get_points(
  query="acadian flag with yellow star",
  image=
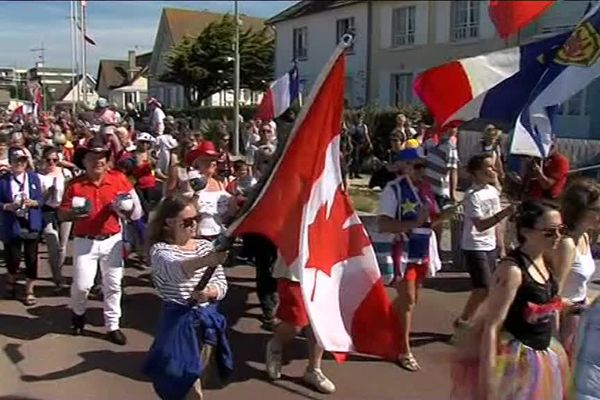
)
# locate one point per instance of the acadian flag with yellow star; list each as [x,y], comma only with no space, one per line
[419,246]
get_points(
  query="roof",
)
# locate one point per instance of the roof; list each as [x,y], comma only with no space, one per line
[63,90]
[183,22]
[306,7]
[115,72]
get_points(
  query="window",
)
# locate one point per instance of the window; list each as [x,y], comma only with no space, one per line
[342,27]
[465,19]
[576,106]
[403,26]
[401,85]
[301,43]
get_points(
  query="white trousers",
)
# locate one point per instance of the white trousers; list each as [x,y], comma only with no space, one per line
[87,254]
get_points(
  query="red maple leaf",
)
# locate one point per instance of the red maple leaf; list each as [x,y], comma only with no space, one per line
[329,242]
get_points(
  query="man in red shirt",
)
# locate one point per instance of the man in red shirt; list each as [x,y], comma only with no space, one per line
[95,202]
[548,181]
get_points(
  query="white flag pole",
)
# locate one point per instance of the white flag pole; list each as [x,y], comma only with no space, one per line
[74,94]
[83,53]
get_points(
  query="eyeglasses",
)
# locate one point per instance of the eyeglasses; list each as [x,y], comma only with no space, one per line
[553,232]
[51,160]
[189,222]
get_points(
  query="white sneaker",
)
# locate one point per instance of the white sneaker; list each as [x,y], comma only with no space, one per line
[317,379]
[273,359]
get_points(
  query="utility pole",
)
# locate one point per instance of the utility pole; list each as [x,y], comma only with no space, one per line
[73,37]
[236,82]
[82,6]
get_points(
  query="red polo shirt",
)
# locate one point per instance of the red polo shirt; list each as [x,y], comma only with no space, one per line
[102,219]
[556,167]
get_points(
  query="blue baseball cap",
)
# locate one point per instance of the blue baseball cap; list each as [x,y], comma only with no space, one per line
[406,155]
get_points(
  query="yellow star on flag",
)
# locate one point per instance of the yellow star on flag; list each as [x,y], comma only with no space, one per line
[409,207]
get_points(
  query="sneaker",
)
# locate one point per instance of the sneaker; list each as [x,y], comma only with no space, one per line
[317,379]
[273,359]
[460,327]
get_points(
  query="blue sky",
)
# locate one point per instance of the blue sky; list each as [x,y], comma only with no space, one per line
[117,26]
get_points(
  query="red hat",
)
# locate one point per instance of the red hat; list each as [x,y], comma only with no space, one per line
[205,148]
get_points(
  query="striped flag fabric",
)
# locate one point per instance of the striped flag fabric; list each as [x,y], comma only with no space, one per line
[279,96]
[494,86]
[509,17]
[301,206]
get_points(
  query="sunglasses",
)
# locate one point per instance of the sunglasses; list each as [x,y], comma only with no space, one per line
[189,222]
[554,232]
[51,160]
[20,160]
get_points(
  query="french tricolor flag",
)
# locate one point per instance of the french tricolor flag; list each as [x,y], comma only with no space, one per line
[493,86]
[279,96]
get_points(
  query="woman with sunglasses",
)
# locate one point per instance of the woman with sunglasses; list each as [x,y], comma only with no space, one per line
[509,353]
[572,261]
[214,203]
[21,200]
[407,212]
[56,234]
[188,275]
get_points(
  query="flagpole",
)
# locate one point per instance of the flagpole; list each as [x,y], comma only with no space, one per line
[236,82]
[345,42]
[73,55]
[83,53]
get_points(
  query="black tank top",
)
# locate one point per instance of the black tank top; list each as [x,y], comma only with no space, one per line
[526,320]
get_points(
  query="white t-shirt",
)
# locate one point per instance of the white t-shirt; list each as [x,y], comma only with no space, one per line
[59,181]
[165,144]
[480,202]
[213,207]
[157,121]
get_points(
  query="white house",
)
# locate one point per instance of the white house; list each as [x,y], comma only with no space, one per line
[124,81]
[308,31]
[74,92]
[174,25]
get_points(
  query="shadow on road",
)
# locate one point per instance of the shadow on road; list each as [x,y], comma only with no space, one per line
[125,364]
[448,284]
[418,339]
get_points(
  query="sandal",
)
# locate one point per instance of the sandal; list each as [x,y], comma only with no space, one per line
[29,299]
[409,362]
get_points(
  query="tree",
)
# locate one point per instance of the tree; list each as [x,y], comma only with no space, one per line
[204,65]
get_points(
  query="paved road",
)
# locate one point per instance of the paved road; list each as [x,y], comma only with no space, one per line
[40,360]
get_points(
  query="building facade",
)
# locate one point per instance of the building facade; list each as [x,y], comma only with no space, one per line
[308,32]
[396,40]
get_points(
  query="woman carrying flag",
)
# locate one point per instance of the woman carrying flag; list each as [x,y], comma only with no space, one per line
[407,210]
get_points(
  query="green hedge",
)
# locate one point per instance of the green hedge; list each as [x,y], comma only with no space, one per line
[381,121]
[212,113]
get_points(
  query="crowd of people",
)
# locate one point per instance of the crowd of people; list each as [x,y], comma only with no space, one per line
[117,184]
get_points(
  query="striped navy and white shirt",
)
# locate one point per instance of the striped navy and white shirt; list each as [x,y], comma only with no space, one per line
[171,281]
[441,159]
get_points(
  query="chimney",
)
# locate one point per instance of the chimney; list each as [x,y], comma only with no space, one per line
[132,70]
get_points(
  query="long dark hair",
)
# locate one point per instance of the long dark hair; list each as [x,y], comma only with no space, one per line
[529,213]
[577,199]
[169,207]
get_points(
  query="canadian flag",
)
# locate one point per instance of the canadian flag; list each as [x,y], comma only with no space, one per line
[304,211]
